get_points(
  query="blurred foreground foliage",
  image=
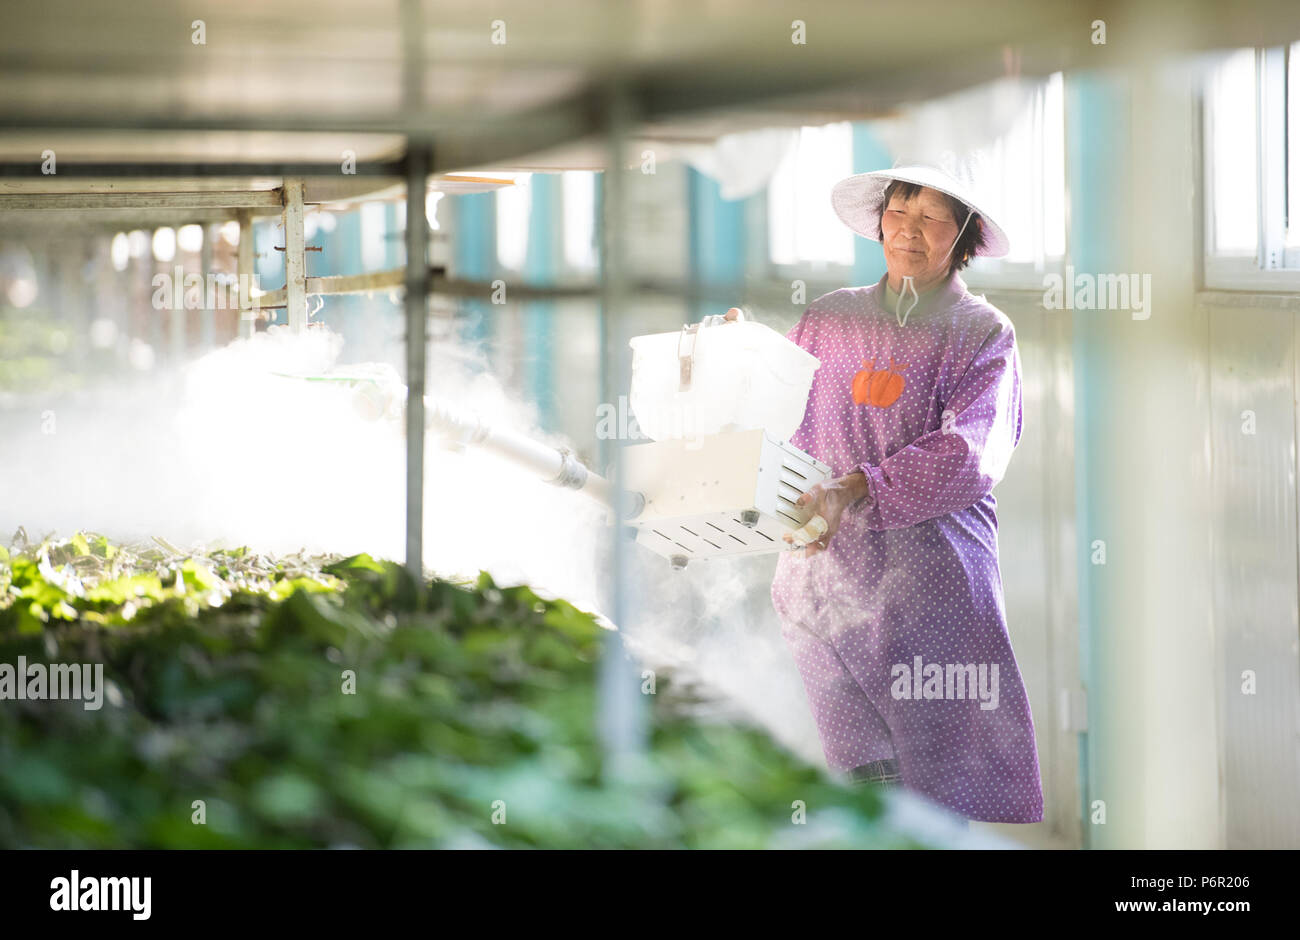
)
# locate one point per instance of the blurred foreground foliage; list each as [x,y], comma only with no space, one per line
[34,352]
[224,676]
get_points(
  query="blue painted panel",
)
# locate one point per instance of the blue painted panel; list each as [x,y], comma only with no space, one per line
[541,268]
[1096,113]
[474,249]
[869,153]
[717,237]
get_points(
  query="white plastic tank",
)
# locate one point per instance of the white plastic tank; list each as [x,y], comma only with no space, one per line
[719,375]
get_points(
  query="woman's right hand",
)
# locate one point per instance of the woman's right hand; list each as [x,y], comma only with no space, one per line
[733,313]
[829,499]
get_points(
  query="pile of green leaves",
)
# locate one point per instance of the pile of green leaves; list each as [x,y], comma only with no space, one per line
[470,721]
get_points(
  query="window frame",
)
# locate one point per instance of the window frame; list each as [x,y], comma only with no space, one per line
[1272,267]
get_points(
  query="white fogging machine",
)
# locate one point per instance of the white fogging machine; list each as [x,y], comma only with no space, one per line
[719,400]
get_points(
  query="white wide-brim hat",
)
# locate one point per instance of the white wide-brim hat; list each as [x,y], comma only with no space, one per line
[857,201]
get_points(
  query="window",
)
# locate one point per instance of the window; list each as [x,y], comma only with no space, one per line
[1018,176]
[802,227]
[1251,138]
[1021,175]
[514,209]
[1293,153]
[374,236]
[579,201]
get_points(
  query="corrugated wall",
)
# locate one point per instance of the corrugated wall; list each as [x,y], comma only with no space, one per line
[1036,548]
[1253,415]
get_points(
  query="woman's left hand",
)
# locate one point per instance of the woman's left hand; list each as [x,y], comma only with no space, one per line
[829,499]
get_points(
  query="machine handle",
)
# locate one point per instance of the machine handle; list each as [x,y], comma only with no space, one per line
[716,318]
[686,358]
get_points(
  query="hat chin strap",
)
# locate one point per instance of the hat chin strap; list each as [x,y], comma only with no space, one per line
[962,231]
[909,282]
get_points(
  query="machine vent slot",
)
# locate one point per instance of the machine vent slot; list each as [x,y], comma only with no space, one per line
[696,534]
[786,466]
[718,527]
[797,523]
[747,529]
[680,545]
[661,535]
[714,544]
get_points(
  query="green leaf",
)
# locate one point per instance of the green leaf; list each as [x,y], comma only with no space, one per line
[198,576]
[351,564]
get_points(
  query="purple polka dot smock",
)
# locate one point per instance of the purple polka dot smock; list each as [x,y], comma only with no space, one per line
[898,628]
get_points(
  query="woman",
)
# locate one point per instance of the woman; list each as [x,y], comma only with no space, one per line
[895,615]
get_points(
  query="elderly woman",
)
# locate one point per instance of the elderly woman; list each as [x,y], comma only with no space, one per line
[895,615]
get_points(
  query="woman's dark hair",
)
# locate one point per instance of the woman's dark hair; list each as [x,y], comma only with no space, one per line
[971,239]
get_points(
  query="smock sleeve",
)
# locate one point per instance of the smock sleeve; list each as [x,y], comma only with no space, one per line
[955,466]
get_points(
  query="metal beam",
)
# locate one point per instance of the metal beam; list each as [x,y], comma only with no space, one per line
[257,199]
[728,293]
[478,139]
[271,300]
[35,224]
[127,169]
[333,285]
[295,255]
[357,283]
[533,130]
[722,293]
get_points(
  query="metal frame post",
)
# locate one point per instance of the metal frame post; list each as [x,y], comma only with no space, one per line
[247,274]
[177,327]
[418,160]
[208,325]
[295,265]
[622,713]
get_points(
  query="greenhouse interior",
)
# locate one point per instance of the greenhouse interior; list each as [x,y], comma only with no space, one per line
[436,426]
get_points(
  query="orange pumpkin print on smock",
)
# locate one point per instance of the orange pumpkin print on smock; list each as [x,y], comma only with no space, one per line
[879,387]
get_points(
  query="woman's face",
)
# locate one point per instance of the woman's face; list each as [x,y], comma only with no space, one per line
[917,236]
